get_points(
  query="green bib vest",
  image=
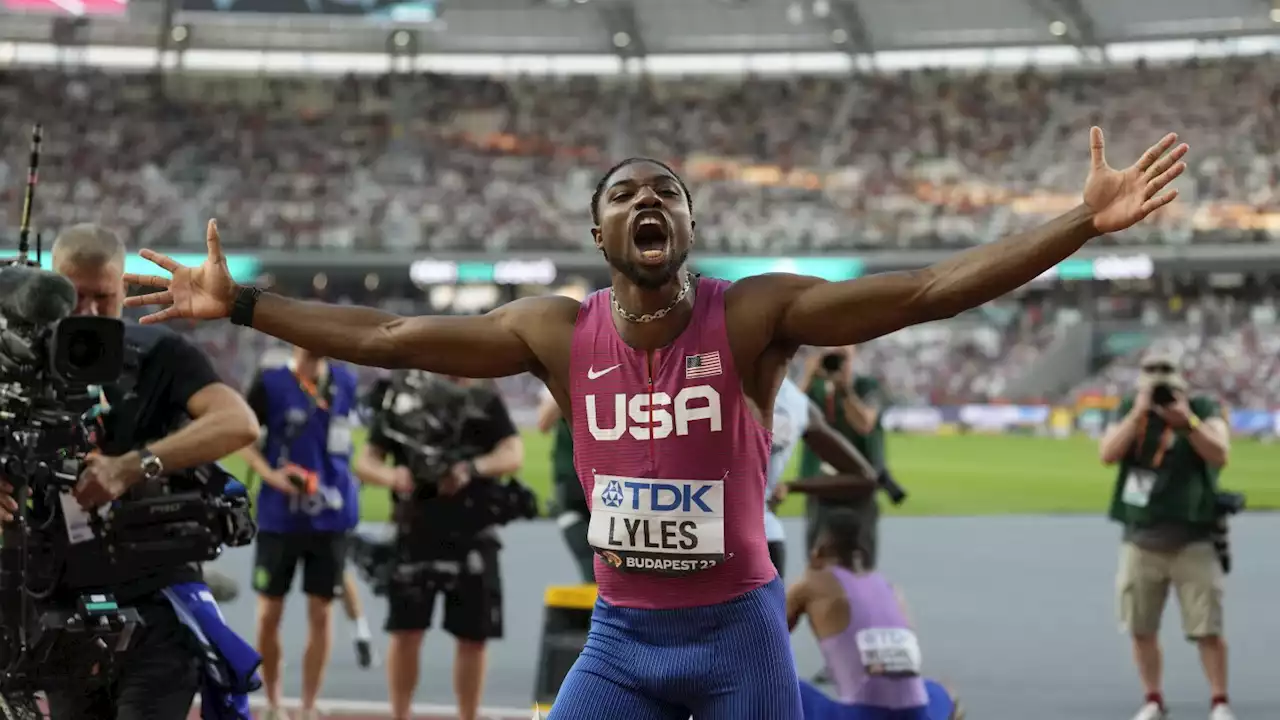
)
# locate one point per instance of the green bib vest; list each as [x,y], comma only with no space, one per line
[1162,480]
[870,445]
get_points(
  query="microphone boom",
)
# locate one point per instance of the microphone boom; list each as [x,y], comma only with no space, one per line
[29,197]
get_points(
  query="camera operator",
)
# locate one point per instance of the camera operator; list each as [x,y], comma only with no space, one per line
[307,505]
[1170,446]
[852,404]
[572,514]
[431,559]
[147,434]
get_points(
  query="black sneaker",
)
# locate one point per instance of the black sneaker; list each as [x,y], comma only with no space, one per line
[364,654]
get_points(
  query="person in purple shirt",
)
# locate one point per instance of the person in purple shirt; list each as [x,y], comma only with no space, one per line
[867,641]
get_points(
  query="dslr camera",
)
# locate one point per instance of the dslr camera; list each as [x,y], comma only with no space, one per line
[1226,505]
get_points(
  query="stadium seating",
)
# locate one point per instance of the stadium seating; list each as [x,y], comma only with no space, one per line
[924,159]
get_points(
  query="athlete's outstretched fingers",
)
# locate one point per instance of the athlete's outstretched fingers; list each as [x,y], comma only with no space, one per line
[159,298]
[169,313]
[160,259]
[146,280]
[213,240]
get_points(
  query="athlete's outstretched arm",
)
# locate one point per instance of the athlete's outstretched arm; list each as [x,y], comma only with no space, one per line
[477,346]
[809,311]
[491,345]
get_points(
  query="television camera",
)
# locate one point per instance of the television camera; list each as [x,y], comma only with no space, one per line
[425,416]
[55,628]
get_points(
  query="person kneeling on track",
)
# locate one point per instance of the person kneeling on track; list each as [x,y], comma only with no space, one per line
[860,620]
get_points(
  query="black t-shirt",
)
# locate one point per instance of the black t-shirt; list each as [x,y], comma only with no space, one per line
[170,370]
[481,432]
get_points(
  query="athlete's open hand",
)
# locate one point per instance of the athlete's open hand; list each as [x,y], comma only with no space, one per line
[1121,198]
[202,293]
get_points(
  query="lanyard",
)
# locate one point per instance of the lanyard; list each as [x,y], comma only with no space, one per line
[1165,436]
[312,391]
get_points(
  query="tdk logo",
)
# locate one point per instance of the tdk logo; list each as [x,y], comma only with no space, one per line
[662,497]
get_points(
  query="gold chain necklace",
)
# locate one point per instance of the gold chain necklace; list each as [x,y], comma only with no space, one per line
[649,317]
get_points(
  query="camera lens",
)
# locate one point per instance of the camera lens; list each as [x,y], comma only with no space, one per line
[84,349]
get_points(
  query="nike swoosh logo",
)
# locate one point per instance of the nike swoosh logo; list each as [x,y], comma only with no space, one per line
[592,374]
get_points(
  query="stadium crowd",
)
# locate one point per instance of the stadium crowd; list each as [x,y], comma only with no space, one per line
[777,165]
[818,164]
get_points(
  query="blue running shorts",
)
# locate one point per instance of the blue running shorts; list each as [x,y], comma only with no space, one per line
[817,706]
[730,661]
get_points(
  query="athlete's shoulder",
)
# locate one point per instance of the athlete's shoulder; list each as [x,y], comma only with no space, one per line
[778,281]
[756,304]
[539,309]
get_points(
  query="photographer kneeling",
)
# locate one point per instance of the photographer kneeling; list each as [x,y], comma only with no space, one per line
[1170,448]
[146,435]
[436,548]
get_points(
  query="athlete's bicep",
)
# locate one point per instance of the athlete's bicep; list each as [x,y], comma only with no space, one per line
[482,346]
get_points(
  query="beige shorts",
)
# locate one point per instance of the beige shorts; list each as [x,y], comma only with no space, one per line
[1143,582]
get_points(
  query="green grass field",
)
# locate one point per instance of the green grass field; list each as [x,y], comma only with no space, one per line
[966,475]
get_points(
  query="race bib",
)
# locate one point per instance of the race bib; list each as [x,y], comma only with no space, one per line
[668,527]
[889,652]
[1138,485]
[339,441]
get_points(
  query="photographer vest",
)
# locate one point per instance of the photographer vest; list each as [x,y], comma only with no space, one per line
[310,426]
[1162,480]
[870,445]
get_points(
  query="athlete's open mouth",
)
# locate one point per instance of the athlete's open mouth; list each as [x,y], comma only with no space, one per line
[650,233]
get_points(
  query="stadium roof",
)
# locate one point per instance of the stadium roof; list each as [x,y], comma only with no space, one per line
[638,27]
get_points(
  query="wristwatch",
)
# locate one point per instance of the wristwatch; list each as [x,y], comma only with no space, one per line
[245,302]
[1193,423]
[151,465]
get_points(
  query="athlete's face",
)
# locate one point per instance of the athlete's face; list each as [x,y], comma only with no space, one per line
[646,228]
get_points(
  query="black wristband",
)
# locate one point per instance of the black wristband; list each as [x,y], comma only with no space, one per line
[245,302]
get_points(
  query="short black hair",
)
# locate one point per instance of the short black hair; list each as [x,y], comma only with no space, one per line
[840,532]
[595,197]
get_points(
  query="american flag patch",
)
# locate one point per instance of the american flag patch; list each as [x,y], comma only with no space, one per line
[701,365]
